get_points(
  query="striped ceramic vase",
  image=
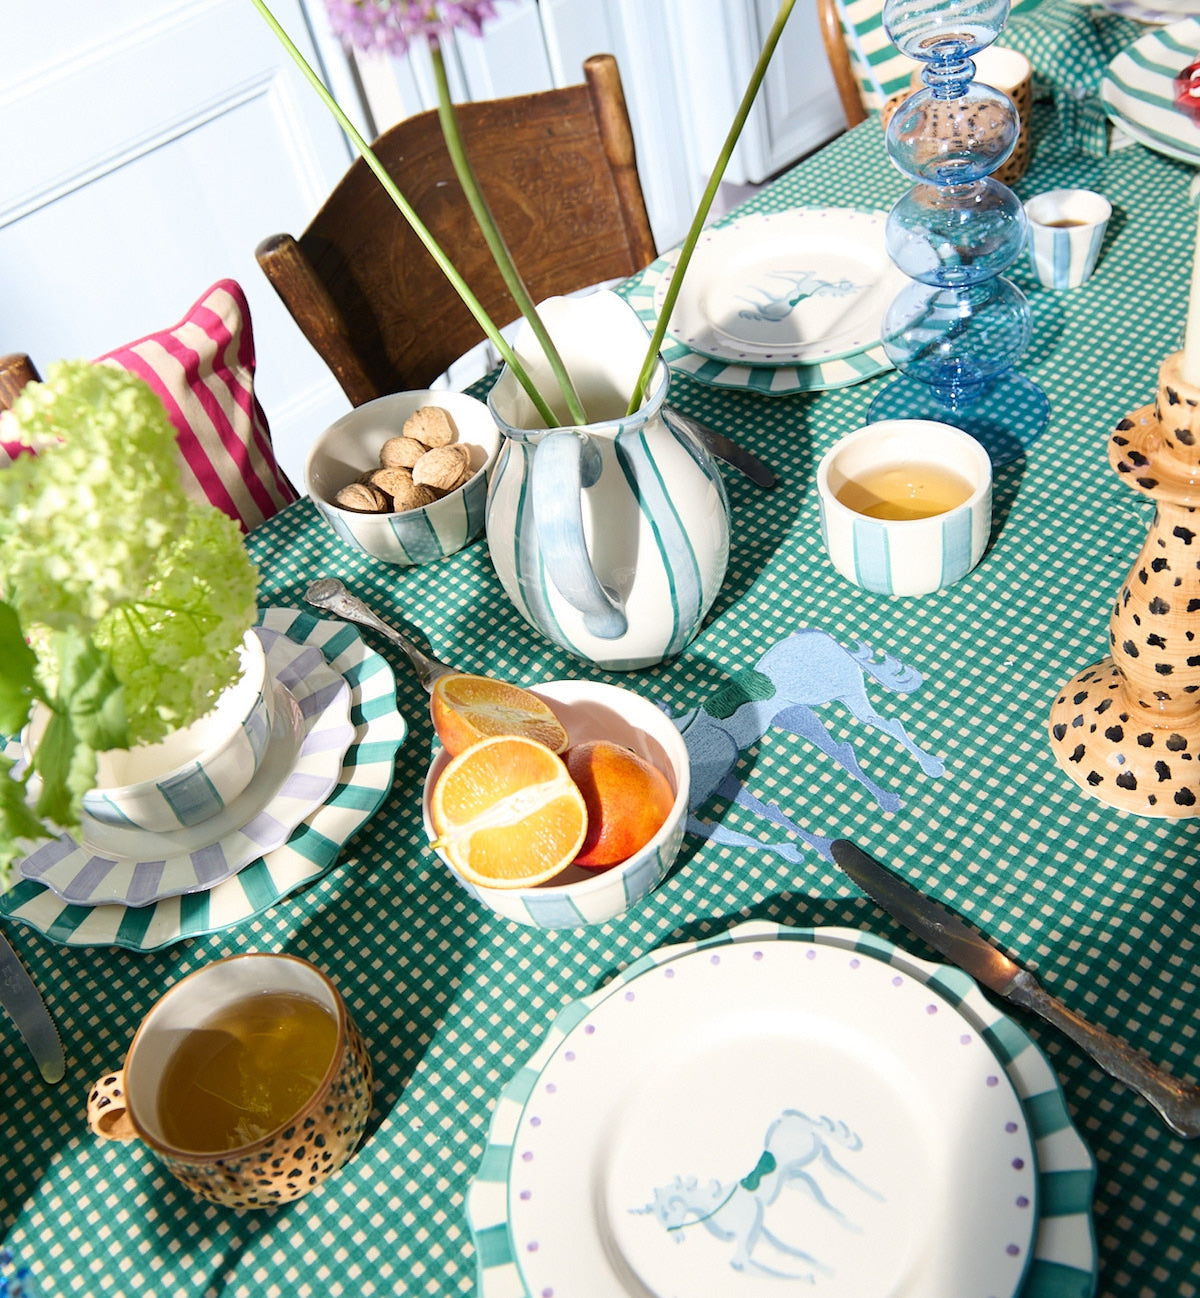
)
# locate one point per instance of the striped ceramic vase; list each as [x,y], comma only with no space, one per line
[611,539]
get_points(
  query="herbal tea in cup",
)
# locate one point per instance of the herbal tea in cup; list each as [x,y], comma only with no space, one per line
[913,489]
[905,505]
[247,1079]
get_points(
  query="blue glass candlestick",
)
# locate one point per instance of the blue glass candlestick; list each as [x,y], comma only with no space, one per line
[956,332]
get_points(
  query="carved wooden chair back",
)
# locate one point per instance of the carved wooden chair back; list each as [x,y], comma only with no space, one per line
[559,173]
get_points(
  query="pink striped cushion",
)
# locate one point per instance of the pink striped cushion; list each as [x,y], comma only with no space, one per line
[203,370]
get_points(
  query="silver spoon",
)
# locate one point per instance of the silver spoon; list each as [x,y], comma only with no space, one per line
[331,594]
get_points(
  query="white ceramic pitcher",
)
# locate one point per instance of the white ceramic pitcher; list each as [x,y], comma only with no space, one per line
[611,539]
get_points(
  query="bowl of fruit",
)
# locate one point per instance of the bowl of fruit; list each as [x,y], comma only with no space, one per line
[558,806]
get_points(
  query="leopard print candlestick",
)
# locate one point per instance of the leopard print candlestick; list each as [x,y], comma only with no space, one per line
[1127,730]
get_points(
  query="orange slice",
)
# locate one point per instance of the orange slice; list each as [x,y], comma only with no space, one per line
[507,814]
[466,709]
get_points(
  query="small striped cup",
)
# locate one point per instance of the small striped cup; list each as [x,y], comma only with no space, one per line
[1066,230]
[908,556]
[196,772]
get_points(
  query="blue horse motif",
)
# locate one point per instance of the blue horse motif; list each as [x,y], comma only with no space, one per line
[783,689]
[778,305]
[795,1149]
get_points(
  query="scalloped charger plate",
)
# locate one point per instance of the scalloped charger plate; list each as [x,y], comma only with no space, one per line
[310,850]
[773,1105]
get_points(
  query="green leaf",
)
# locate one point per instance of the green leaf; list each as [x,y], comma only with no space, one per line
[16,818]
[89,692]
[67,766]
[18,681]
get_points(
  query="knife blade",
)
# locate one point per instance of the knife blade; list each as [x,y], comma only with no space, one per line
[724,448]
[21,998]
[1177,1102]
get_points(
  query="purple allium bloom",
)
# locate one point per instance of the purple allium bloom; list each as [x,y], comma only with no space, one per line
[390,25]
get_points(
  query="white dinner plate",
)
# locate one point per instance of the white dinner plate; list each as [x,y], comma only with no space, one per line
[680,1125]
[311,849]
[1138,90]
[133,867]
[1157,12]
[771,381]
[786,288]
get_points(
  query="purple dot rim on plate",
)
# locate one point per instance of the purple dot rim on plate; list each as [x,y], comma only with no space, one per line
[855,962]
[758,955]
[931,1009]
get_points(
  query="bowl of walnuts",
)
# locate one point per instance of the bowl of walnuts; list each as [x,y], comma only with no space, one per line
[404,478]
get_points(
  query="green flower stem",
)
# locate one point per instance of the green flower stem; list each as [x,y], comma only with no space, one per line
[460,285]
[494,239]
[706,201]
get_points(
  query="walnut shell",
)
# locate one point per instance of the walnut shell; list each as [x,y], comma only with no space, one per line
[431,425]
[362,498]
[442,467]
[401,452]
[454,486]
[412,496]
[391,481]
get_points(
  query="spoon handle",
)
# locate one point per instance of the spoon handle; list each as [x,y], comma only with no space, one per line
[331,594]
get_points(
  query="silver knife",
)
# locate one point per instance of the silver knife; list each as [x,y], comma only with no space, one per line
[28,1011]
[724,448]
[1178,1103]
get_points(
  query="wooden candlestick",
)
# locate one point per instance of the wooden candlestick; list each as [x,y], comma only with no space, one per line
[1127,729]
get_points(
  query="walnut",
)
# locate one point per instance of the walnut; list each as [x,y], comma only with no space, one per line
[391,481]
[432,426]
[443,467]
[412,496]
[362,498]
[401,452]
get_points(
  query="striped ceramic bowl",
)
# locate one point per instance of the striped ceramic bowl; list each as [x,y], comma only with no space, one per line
[350,447]
[577,897]
[197,771]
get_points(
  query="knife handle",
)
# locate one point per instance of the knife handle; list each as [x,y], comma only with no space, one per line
[1178,1103]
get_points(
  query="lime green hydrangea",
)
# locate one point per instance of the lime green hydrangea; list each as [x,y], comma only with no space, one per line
[122,602]
[174,648]
[82,521]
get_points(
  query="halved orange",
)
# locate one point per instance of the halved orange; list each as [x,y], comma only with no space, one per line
[466,709]
[507,814]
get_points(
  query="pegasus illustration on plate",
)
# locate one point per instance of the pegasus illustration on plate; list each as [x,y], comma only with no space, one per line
[798,1153]
[775,304]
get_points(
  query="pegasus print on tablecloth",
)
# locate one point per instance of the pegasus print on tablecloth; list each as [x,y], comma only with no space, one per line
[781,692]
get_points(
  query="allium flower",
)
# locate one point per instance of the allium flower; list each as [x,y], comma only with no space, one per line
[389,26]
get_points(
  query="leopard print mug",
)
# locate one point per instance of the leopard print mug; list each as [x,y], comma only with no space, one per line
[285,1163]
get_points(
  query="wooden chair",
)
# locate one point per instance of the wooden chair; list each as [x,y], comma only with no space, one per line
[559,173]
[838,54]
[867,67]
[15,371]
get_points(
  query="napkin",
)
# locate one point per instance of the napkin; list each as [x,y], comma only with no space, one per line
[1069,46]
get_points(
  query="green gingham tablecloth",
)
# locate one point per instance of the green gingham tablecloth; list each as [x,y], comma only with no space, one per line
[453,1001]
